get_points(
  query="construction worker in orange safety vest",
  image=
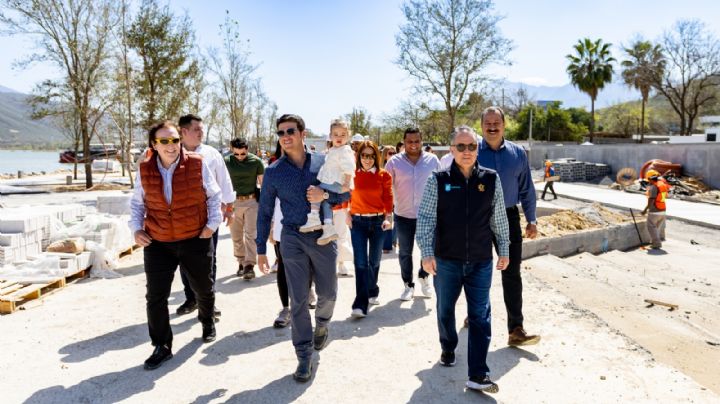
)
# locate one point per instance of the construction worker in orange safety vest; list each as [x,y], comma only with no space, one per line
[657,193]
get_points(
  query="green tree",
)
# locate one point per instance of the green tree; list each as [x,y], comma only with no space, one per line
[359,121]
[590,69]
[622,119]
[447,46]
[164,44]
[549,124]
[644,61]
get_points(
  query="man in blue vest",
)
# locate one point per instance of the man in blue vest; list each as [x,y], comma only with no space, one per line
[461,212]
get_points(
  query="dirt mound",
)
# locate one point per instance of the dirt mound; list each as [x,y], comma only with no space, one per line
[572,221]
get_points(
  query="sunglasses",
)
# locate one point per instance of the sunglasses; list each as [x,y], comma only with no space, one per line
[288,132]
[367,156]
[391,153]
[239,154]
[461,147]
[167,140]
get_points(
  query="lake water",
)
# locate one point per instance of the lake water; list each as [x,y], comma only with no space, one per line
[30,161]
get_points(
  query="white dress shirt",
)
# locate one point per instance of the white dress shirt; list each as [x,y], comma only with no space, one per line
[216,163]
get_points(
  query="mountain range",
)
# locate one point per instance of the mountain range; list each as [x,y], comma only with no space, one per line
[613,93]
[19,130]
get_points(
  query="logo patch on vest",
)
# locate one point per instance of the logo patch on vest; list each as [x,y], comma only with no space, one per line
[449,187]
[481,187]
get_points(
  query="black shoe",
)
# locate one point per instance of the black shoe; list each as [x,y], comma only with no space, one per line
[320,338]
[447,358]
[249,272]
[482,383]
[187,307]
[159,355]
[209,334]
[240,272]
[303,373]
[216,312]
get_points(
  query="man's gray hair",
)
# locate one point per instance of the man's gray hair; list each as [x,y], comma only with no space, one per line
[462,128]
[492,110]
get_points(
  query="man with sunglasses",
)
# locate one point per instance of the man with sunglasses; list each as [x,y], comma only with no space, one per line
[461,213]
[410,170]
[246,173]
[511,164]
[192,133]
[293,180]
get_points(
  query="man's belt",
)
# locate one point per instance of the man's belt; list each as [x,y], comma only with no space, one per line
[369,214]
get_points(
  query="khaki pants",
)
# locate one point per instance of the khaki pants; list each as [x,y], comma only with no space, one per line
[243,231]
[345,252]
[656,228]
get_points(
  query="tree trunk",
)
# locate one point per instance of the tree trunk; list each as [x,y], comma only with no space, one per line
[592,119]
[642,121]
[86,152]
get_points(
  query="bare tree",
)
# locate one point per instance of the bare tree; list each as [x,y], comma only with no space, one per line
[74,35]
[232,67]
[691,75]
[447,45]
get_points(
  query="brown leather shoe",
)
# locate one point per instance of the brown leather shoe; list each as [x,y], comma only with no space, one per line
[519,337]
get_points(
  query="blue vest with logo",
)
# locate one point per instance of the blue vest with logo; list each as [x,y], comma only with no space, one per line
[464,208]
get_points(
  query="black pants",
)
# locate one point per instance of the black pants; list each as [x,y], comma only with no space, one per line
[549,185]
[195,258]
[281,280]
[189,294]
[511,279]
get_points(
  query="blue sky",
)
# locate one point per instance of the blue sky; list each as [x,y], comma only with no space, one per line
[322,58]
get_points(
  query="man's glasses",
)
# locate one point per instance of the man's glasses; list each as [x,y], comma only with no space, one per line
[288,132]
[167,140]
[391,153]
[461,147]
[367,156]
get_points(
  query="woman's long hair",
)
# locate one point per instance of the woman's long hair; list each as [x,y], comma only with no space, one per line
[361,147]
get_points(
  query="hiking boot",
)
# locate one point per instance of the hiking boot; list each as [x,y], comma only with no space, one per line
[320,338]
[425,287]
[283,318]
[329,234]
[186,308]
[208,334]
[447,358]
[482,383]
[313,223]
[519,337]
[303,372]
[159,355]
[408,293]
[249,272]
[241,271]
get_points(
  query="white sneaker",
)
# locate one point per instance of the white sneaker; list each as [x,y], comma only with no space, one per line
[342,269]
[329,234]
[274,268]
[373,301]
[313,223]
[407,294]
[426,288]
[312,299]
[357,313]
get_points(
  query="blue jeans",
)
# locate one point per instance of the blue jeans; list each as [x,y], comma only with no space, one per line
[476,278]
[366,232]
[406,241]
[325,207]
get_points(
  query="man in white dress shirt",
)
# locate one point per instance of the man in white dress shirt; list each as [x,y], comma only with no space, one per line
[192,132]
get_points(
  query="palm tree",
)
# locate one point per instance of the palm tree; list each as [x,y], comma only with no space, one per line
[589,69]
[645,61]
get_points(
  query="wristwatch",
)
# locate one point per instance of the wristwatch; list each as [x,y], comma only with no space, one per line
[326,195]
[532,222]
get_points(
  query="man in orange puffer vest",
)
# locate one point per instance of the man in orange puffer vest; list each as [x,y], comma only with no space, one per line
[657,192]
[174,211]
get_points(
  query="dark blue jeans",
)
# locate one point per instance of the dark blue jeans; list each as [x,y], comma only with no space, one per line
[367,238]
[189,294]
[406,241]
[451,278]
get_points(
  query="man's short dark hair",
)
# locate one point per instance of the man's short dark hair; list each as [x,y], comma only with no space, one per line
[238,143]
[291,118]
[411,130]
[495,110]
[186,120]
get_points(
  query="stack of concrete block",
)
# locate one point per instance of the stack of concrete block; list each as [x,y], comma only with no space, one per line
[71,264]
[571,170]
[106,165]
[114,204]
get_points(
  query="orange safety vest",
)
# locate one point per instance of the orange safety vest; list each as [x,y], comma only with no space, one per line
[663,189]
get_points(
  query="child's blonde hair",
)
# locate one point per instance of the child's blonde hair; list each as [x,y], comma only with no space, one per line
[339,123]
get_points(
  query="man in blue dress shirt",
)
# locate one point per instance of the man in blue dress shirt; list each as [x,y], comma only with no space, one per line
[511,163]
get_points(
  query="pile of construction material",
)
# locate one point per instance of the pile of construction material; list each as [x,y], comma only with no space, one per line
[584,218]
[571,170]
